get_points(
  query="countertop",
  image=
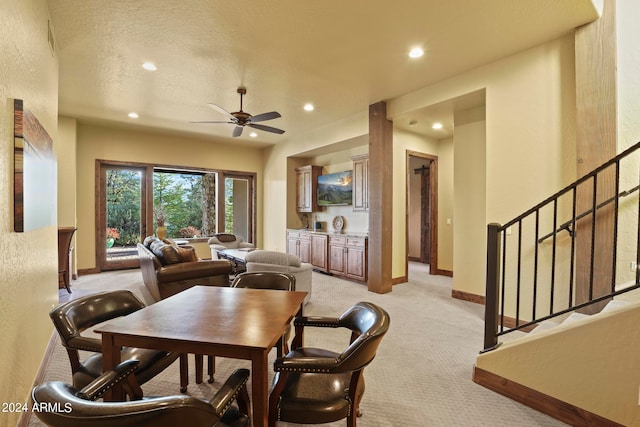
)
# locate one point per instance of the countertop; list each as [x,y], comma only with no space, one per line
[332,233]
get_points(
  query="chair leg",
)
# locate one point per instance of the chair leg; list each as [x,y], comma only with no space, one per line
[243,400]
[351,420]
[199,363]
[282,347]
[184,372]
[211,368]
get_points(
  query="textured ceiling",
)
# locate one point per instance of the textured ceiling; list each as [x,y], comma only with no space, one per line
[340,55]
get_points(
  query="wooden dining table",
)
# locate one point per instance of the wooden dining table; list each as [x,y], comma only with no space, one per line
[237,323]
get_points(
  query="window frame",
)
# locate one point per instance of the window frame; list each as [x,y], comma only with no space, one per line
[147,208]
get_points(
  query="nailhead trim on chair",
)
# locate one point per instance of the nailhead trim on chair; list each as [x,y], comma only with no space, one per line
[279,417]
[320,325]
[113,382]
[325,371]
[221,414]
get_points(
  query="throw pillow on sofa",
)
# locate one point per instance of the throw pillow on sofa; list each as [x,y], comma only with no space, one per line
[187,254]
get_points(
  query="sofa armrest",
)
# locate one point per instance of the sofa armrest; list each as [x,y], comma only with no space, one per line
[193,270]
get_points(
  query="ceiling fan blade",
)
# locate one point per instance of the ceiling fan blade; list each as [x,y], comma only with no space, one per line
[237,131]
[208,121]
[266,128]
[221,110]
[265,116]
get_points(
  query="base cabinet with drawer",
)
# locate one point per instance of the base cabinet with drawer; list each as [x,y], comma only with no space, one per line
[348,257]
[299,244]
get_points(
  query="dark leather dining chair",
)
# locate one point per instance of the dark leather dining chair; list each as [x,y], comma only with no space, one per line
[315,386]
[76,316]
[80,408]
[269,280]
[265,280]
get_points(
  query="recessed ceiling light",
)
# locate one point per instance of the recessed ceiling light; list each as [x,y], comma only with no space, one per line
[253,134]
[133,115]
[437,125]
[149,66]
[416,52]
[308,107]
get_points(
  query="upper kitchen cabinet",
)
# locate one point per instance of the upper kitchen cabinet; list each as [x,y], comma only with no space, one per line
[307,188]
[361,182]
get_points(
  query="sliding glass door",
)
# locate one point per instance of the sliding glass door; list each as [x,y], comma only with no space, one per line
[238,206]
[135,200]
[122,216]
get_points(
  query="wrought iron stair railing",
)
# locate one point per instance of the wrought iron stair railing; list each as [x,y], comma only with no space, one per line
[535,272]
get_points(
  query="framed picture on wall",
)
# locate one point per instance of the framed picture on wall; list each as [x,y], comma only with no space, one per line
[35,174]
[335,189]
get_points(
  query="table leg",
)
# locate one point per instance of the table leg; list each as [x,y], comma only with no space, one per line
[260,388]
[111,359]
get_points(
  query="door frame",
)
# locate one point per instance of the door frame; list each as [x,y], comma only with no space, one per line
[433,202]
[251,178]
[101,208]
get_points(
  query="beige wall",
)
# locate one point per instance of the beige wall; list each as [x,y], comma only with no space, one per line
[29,266]
[469,201]
[628,130]
[530,148]
[446,218]
[97,142]
[530,141]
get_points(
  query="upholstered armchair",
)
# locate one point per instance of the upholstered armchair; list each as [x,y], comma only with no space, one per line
[223,241]
[316,386]
[73,318]
[261,260]
[81,407]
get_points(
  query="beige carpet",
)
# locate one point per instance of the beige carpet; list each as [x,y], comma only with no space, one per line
[421,375]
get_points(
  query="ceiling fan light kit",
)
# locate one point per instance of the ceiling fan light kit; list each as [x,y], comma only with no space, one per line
[241,118]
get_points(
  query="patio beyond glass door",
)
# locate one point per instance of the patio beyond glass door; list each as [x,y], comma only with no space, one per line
[122,216]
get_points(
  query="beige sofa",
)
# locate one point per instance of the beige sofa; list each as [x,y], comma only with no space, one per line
[168,268]
[261,260]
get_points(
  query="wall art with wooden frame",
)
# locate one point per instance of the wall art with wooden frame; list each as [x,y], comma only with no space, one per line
[35,174]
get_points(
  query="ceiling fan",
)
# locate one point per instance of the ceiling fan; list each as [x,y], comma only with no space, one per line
[242,118]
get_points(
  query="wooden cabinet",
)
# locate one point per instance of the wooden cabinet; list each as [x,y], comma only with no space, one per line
[360,182]
[307,188]
[348,257]
[319,251]
[344,256]
[299,244]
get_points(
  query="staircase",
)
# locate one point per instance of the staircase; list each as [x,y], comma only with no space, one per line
[574,317]
[544,263]
[564,272]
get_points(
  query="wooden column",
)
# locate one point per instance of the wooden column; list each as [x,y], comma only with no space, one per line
[380,198]
[595,68]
